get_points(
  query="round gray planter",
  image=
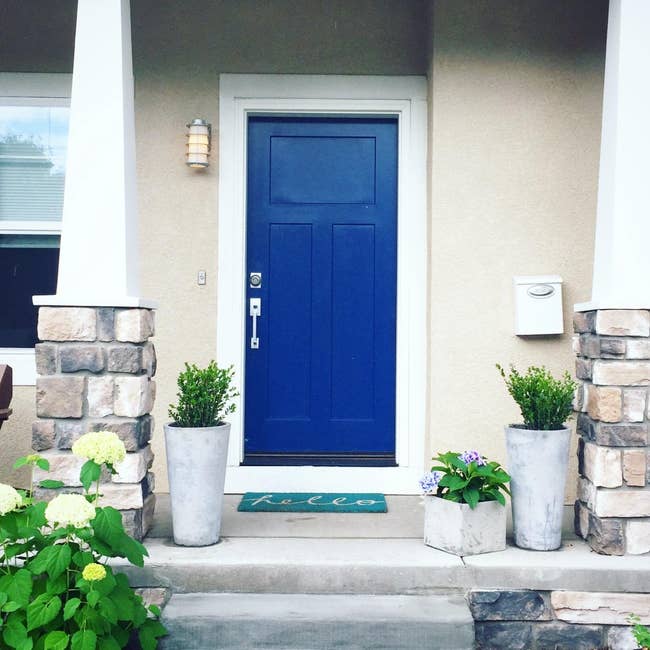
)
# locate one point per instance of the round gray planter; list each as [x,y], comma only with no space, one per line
[537,464]
[196,466]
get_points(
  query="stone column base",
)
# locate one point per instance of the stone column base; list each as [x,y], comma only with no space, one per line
[95,368]
[613,367]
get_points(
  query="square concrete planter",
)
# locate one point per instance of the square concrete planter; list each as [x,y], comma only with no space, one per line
[456,528]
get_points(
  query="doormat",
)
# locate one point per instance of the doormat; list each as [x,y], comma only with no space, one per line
[312,502]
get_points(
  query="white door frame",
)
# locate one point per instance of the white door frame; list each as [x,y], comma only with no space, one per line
[406,99]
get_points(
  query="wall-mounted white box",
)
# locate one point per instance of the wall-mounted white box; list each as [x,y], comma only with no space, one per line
[538,305]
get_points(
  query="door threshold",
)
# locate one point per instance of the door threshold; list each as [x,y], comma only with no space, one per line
[310,478]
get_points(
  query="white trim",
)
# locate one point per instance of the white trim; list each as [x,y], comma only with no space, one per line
[406,98]
[30,89]
[83,300]
[30,227]
[25,85]
[23,365]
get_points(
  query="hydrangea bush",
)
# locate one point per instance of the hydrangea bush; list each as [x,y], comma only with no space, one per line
[466,477]
[56,589]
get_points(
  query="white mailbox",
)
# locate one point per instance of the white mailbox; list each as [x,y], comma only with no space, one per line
[538,305]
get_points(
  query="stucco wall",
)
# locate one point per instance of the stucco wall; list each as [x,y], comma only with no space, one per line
[516,90]
[15,435]
[516,95]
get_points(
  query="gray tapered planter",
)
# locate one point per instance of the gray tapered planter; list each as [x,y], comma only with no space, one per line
[196,466]
[537,464]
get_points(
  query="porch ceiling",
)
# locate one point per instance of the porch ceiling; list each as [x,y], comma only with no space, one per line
[289,36]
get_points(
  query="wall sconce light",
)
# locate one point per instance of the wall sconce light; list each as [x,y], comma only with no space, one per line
[198,143]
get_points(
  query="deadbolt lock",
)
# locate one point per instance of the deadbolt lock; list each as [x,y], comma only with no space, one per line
[255,280]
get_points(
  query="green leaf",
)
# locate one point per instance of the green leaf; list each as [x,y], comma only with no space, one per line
[120,635]
[90,472]
[122,599]
[471,497]
[132,550]
[52,559]
[20,586]
[56,641]
[14,633]
[453,482]
[155,610]
[25,644]
[42,611]
[43,463]
[84,640]
[108,526]
[93,598]
[51,484]
[81,558]
[70,608]
[149,633]
[57,585]
[11,606]
[20,462]
[11,550]
[108,643]
[108,610]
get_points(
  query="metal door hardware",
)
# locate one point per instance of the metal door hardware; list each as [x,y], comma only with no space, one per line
[255,311]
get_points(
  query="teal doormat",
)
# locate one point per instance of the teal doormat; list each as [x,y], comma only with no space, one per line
[312,502]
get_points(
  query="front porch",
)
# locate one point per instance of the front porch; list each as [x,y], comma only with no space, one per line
[571,598]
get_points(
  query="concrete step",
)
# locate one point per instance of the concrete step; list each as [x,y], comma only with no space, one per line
[203,621]
[377,566]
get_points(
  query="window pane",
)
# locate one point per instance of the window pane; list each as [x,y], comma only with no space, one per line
[28,267]
[32,162]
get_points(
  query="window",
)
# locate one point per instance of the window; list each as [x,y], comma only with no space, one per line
[34,117]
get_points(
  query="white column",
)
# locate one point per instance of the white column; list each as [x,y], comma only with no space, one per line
[99,244]
[621,277]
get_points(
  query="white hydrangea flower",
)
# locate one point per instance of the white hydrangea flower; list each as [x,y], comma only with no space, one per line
[100,447]
[9,499]
[69,510]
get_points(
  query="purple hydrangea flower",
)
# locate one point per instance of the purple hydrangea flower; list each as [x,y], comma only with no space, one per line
[429,482]
[472,456]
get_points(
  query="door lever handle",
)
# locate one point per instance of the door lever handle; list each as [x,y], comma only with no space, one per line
[255,311]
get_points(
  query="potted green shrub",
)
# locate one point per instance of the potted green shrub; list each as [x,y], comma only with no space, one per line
[538,455]
[197,451]
[465,504]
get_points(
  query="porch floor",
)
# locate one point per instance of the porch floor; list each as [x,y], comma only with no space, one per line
[365,554]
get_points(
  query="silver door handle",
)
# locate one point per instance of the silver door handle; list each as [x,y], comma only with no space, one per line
[255,311]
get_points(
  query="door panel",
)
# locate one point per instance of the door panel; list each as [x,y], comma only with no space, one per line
[322,205]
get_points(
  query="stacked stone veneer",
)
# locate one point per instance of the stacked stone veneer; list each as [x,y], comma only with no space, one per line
[544,620]
[95,368]
[613,367]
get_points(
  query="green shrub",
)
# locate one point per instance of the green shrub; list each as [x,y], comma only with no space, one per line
[545,402]
[641,632]
[205,396]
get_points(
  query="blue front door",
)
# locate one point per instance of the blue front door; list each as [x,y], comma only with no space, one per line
[322,232]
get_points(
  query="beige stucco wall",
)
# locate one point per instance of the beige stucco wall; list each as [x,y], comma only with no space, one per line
[514,137]
[15,435]
[178,206]
[514,150]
